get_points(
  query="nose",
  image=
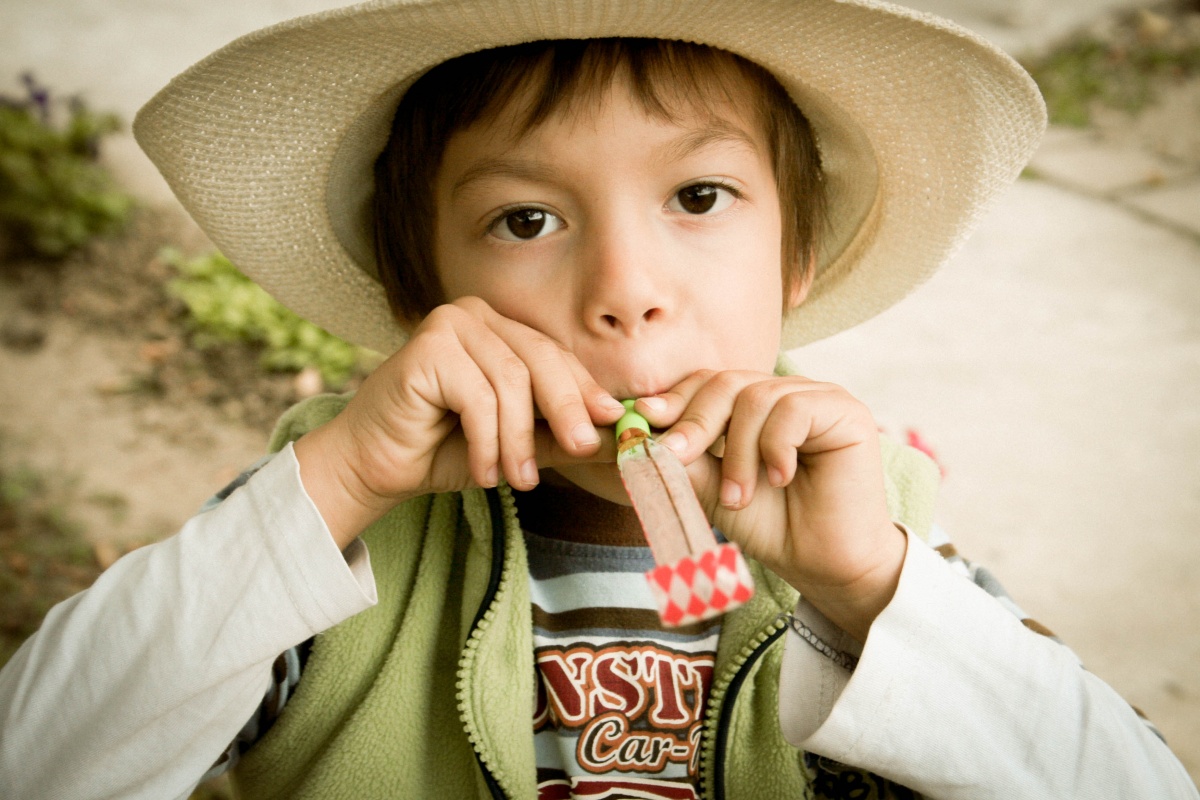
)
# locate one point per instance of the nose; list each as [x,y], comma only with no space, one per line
[626,292]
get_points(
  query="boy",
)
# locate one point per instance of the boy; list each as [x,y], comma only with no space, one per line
[558,226]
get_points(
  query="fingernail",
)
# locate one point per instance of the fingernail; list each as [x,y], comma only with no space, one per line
[612,404]
[654,403]
[731,493]
[584,435]
[492,477]
[775,477]
[529,472]
[674,441]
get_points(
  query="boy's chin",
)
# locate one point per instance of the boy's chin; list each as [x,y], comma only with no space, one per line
[602,480]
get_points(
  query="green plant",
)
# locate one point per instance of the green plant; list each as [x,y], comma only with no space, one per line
[226,306]
[1120,73]
[54,196]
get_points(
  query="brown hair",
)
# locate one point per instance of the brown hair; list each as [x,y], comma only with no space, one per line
[664,75]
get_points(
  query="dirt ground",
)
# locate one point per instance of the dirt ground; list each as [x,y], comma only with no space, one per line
[113,430]
[102,389]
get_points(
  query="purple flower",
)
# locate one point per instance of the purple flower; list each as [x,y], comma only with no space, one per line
[38,96]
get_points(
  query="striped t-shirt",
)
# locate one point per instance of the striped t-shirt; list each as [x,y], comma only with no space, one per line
[620,699]
[598,642]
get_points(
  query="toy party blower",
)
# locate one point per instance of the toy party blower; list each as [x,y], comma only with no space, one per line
[696,577]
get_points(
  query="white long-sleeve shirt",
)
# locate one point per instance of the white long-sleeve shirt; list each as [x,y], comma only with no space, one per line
[133,688]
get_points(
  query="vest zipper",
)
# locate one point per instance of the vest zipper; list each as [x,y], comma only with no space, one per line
[498,582]
[721,700]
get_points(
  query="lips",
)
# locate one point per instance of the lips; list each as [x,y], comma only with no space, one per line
[638,389]
[630,380]
[628,386]
[643,371]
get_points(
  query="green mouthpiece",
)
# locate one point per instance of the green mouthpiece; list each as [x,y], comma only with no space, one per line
[632,419]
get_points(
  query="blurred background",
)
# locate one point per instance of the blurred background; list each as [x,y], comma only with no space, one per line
[1052,368]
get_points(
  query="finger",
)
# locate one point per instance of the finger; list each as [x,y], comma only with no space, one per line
[707,413]
[548,453]
[445,471]
[551,453]
[785,432]
[512,410]
[742,458]
[565,394]
[839,420]
[750,447]
[506,405]
[601,405]
[467,392]
[817,419]
[446,476]
[663,410]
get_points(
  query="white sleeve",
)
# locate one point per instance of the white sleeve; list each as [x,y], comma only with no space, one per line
[953,697]
[133,687]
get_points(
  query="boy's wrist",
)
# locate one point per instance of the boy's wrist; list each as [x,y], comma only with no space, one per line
[345,503]
[854,607]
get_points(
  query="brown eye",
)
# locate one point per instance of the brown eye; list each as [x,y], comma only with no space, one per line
[698,199]
[702,198]
[525,224]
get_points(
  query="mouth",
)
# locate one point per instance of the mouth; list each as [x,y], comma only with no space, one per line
[644,387]
[631,375]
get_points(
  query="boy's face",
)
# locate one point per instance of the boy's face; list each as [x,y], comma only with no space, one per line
[649,249]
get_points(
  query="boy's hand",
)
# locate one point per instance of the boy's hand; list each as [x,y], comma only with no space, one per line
[455,407]
[799,487]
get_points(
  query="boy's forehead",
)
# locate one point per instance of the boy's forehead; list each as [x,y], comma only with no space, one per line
[691,121]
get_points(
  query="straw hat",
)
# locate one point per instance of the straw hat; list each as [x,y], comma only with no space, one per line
[270,141]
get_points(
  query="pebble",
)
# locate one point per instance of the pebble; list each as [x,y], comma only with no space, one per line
[23,332]
[308,382]
[1151,26]
[158,351]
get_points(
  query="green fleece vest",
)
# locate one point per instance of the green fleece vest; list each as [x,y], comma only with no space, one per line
[430,692]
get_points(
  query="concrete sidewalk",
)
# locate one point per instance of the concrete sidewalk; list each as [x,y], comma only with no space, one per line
[1054,364]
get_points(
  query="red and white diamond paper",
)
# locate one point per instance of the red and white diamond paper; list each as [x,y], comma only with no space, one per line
[698,587]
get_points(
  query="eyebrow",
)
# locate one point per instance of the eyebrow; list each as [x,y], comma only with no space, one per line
[515,168]
[716,132]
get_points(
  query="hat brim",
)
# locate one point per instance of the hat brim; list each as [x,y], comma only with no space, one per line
[270,142]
